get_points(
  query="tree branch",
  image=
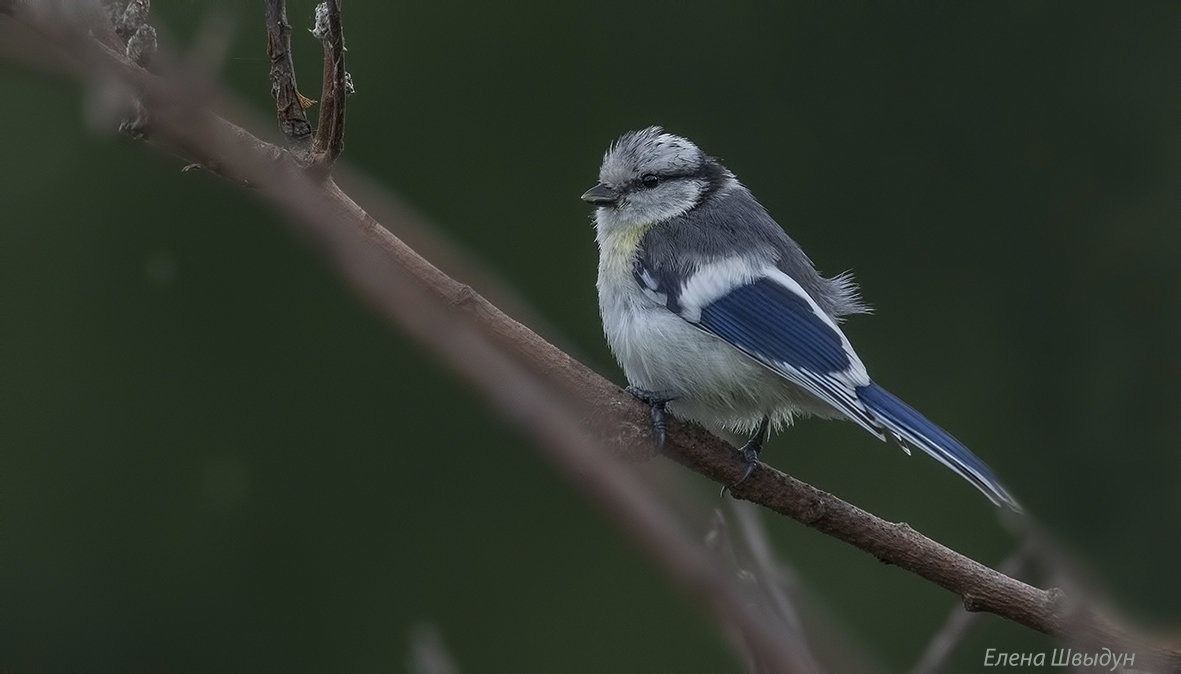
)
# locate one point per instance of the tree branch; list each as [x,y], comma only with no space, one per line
[337,85]
[487,347]
[959,623]
[289,104]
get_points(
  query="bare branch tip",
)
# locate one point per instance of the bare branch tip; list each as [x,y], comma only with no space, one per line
[141,46]
[320,29]
[337,85]
[1057,601]
[132,18]
[289,103]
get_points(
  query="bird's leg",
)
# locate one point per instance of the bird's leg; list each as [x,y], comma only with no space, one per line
[656,400]
[750,451]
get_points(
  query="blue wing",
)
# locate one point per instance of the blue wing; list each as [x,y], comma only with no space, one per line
[768,316]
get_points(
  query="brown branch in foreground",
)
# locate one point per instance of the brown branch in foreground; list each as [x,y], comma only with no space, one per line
[376,261]
[347,234]
[289,104]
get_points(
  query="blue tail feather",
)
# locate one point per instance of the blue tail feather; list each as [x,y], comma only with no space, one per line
[913,429]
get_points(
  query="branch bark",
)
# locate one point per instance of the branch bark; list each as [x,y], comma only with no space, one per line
[289,104]
[959,623]
[487,347]
[336,88]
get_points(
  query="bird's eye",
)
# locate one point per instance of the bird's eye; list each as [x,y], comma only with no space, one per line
[650,181]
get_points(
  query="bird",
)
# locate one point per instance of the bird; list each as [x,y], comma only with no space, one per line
[718,317]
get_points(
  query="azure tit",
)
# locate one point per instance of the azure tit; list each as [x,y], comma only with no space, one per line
[718,316]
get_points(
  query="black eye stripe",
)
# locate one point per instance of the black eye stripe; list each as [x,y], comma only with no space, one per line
[665,177]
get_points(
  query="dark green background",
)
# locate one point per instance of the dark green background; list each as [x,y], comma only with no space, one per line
[213,457]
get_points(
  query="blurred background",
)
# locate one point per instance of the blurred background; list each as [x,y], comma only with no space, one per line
[212,456]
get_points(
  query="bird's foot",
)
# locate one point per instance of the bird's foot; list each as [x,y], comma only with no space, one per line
[655,400]
[750,452]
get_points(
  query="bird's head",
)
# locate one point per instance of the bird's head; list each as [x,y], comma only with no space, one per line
[649,176]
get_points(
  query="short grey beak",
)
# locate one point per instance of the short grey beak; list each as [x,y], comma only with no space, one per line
[600,195]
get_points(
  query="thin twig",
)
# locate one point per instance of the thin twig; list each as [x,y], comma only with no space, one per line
[816,631]
[384,270]
[773,582]
[289,104]
[336,88]
[721,544]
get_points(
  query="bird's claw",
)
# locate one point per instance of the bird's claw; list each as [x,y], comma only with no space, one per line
[656,401]
[750,452]
[752,461]
[658,426]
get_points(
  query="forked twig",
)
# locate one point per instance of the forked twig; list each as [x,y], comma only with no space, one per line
[289,103]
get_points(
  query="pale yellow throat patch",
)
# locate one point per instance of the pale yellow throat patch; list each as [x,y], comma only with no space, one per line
[617,250]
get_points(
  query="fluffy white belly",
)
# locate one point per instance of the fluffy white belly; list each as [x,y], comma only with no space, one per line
[717,385]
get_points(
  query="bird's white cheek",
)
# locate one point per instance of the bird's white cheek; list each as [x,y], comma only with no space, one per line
[662,203]
[647,207]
